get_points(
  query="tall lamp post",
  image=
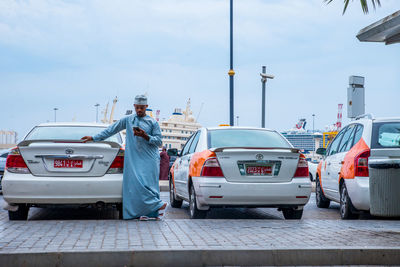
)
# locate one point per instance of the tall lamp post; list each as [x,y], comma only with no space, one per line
[231,72]
[97,112]
[55,114]
[264,77]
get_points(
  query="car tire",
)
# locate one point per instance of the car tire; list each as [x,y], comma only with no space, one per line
[195,213]
[20,215]
[172,198]
[292,214]
[320,199]
[120,211]
[347,210]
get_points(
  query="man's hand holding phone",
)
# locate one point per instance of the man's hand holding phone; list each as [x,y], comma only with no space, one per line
[139,132]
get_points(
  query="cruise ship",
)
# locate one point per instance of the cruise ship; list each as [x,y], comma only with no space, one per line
[305,140]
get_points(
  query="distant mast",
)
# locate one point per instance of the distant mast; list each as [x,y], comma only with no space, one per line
[105,111]
[113,110]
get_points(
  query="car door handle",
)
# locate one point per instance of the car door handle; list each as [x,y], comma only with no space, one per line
[328,163]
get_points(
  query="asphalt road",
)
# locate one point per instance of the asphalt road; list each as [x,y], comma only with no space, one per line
[311,212]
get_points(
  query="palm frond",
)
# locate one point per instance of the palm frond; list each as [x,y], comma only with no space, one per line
[364,4]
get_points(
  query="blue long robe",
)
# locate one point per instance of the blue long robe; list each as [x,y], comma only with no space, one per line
[140,187]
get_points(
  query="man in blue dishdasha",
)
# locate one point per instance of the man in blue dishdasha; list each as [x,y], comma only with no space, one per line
[140,188]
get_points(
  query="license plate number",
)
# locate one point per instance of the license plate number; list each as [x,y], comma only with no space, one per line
[259,170]
[67,163]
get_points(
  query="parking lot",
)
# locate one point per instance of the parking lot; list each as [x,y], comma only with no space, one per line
[311,213]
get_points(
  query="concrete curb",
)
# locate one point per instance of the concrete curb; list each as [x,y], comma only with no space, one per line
[257,257]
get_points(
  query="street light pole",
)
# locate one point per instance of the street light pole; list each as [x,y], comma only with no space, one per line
[55,114]
[264,77]
[97,112]
[231,72]
[313,118]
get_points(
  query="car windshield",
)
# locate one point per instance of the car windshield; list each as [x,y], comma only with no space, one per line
[245,138]
[386,135]
[67,133]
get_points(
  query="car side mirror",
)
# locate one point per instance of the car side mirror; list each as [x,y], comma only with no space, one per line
[321,151]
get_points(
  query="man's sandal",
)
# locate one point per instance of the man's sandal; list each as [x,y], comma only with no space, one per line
[162,211]
[145,218]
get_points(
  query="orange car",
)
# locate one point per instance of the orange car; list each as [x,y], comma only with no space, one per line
[344,173]
[240,167]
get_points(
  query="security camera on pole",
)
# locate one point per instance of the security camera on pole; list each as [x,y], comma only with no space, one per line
[264,78]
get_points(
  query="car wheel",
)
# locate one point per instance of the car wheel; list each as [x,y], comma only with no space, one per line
[346,207]
[321,200]
[311,178]
[172,198]
[20,215]
[120,212]
[292,214]
[195,213]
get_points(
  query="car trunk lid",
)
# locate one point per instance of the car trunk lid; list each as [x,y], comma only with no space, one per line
[263,165]
[68,158]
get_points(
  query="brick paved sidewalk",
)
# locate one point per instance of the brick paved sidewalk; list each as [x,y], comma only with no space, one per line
[17,238]
[92,235]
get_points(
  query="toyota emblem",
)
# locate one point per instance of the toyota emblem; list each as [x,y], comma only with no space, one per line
[69,151]
[259,156]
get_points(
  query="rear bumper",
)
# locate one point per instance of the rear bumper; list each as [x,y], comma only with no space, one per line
[251,194]
[358,189]
[26,188]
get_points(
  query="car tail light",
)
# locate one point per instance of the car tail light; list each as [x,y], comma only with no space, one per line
[117,166]
[361,164]
[15,162]
[211,168]
[302,167]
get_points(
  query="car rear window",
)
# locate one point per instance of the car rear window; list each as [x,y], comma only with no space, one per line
[245,138]
[67,133]
[386,135]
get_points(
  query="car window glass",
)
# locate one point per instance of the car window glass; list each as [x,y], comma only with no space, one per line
[187,146]
[347,138]
[386,135]
[194,143]
[356,136]
[245,138]
[336,142]
[328,148]
[68,133]
[4,155]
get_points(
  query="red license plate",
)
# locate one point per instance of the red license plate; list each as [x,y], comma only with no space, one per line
[68,163]
[259,170]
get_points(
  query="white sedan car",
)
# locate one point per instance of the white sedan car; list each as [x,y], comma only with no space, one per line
[240,167]
[51,166]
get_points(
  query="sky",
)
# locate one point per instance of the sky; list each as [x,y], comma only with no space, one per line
[73,54]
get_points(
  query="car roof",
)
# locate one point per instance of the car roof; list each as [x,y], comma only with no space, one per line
[237,127]
[382,119]
[92,124]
